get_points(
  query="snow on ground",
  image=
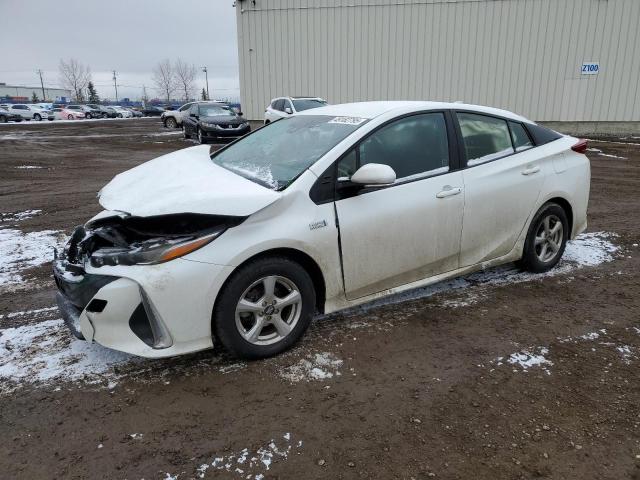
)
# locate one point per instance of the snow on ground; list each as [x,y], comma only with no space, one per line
[19,216]
[84,120]
[36,136]
[317,366]
[27,167]
[46,352]
[249,464]
[529,358]
[20,251]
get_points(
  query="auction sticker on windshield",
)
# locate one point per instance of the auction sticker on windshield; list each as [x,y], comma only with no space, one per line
[348,120]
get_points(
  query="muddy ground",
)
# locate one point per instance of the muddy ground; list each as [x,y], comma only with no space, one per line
[417,389]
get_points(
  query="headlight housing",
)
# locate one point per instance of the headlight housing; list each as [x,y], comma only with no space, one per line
[153,251]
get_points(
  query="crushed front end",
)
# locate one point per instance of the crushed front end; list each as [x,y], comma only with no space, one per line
[123,282]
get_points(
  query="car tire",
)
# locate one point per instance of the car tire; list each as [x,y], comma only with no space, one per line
[3,119]
[170,123]
[105,115]
[546,239]
[267,122]
[185,134]
[37,117]
[69,117]
[201,138]
[279,328]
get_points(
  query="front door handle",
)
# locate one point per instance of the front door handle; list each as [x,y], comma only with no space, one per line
[530,170]
[448,191]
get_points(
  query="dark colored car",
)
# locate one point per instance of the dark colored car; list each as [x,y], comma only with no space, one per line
[6,116]
[152,111]
[211,121]
[102,111]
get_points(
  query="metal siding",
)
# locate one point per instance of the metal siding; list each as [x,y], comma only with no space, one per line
[522,55]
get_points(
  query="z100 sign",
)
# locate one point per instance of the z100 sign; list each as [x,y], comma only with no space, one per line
[590,68]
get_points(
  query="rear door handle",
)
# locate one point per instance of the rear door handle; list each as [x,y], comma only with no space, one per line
[531,170]
[448,191]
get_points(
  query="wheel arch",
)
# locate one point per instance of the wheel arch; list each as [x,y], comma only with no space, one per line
[298,256]
[566,206]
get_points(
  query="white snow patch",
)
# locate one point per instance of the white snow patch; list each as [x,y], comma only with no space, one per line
[47,353]
[35,312]
[19,216]
[626,352]
[28,167]
[529,358]
[319,366]
[250,463]
[262,173]
[19,251]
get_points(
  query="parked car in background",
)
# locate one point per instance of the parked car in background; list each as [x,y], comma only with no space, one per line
[213,121]
[173,118]
[282,107]
[86,110]
[300,216]
[134,112]
[152,111]
[63,113]
[6,116]
[105,112]
[30,112]
[122,112]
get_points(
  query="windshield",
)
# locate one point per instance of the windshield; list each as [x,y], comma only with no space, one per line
[308,103]
[275,155]
[214,111]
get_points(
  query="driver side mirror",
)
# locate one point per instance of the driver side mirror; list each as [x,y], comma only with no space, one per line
[374,174]
[288,110]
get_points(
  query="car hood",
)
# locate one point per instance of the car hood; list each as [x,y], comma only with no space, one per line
[223,119]
[186,181]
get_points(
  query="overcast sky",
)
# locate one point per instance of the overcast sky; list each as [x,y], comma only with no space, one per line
[129,36]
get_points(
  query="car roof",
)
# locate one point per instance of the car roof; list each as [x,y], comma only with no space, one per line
[372,110]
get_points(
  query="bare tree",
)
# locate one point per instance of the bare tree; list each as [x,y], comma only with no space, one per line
[74,76]
[185,76]
[165,78]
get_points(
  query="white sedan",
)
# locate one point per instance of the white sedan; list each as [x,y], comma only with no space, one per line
[323,210]
[122,112]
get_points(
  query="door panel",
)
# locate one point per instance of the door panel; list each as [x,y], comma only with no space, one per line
[499,197]
[397,235]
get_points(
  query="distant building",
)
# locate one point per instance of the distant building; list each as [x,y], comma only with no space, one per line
[550,60]
[20,93]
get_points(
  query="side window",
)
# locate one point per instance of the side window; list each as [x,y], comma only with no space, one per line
[193,109]
[279,104]
[185,107]
[411,145]
[348,164]
[521,140]
[485,138]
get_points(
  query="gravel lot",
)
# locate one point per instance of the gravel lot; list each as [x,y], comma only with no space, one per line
[499,375]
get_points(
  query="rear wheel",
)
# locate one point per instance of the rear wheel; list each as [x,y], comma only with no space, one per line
[105,115]
[3,119]
[201,138]
[264,308]
[546,239]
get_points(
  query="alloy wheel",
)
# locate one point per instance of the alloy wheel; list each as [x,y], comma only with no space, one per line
[268,310]
[549,238]
[171,123]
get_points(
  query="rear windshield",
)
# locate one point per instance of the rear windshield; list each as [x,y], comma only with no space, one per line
[307,103]
[278,153]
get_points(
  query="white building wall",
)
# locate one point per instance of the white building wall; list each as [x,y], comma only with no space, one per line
[521,55]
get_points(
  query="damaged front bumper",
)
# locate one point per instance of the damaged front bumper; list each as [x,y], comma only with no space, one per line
[146,310]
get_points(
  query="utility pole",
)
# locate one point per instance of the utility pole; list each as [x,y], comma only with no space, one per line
[115,85]
[44,97]
[206,76]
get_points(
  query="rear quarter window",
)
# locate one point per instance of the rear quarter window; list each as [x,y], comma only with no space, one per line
[542,135]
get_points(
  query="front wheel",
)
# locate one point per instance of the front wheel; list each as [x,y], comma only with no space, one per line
[185,134]
[37,117]
[105,115]
[264,308]
[69,117]
[201,138]
[546,239]
[171,123]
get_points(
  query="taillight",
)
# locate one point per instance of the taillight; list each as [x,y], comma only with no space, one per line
[580,147]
